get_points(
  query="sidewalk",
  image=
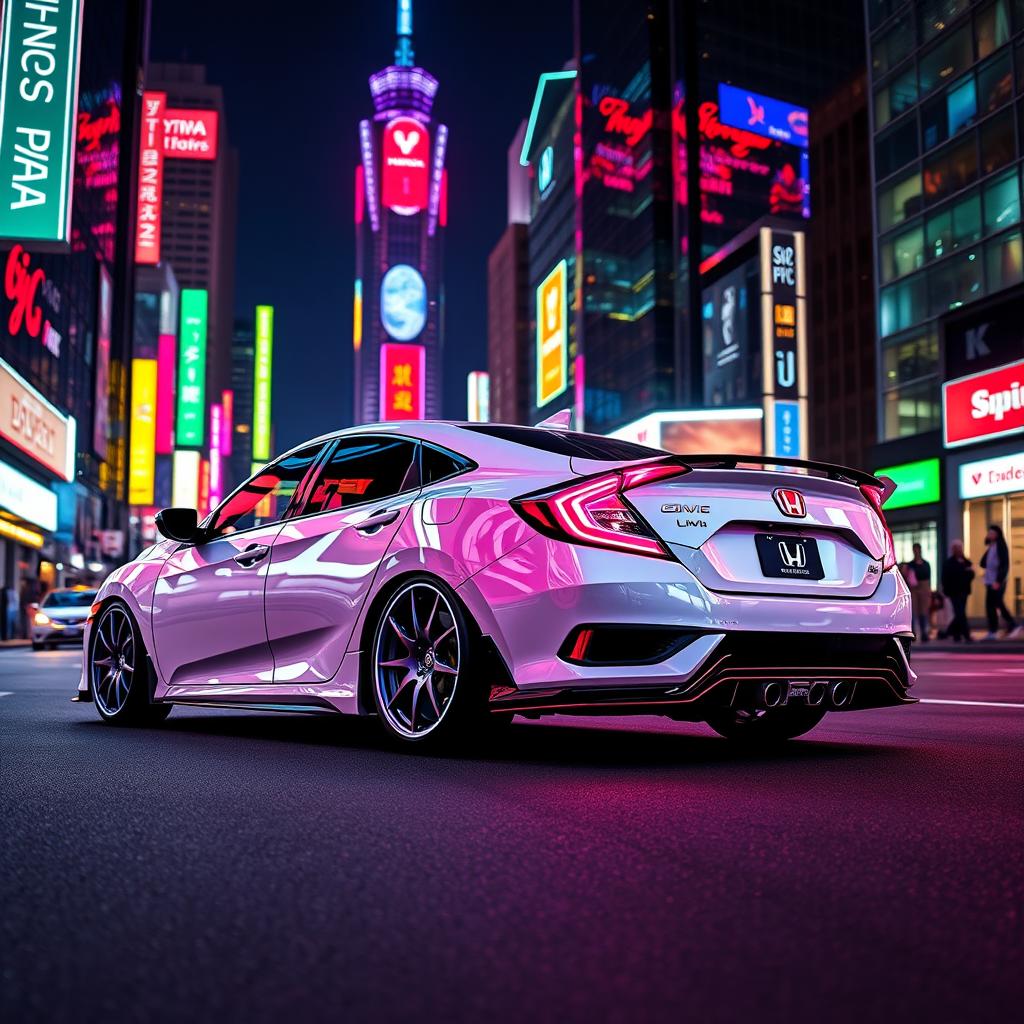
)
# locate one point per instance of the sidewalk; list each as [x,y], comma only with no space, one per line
[13,643]
[980,645]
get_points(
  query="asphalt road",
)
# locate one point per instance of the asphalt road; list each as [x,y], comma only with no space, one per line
[231,866]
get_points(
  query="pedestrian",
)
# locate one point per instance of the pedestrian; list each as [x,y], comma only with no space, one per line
[957,576]
[996,563]
[921,592]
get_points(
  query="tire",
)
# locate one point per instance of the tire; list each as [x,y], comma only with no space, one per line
[420,667]
[37,646]
[766,727]
[119,671]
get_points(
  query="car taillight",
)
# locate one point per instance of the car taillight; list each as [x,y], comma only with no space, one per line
[876,496]
[592,511]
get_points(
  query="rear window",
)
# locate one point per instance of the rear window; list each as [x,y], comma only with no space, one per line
[568,443]
[69,599]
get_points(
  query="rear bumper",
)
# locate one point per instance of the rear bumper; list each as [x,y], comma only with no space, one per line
[839,672]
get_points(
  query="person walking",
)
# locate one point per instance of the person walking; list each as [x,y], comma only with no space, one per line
[921,592]
[957,577]
[996,563]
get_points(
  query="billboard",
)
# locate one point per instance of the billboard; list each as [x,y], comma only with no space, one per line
[405,166]
[101,369]
[402,380]
[784,341]
[917,483]
[142,449]
[552,335]
[762,115]
[478,396]
[35,302]
[189,134]
[40,45]
[403,302]
[165,365]
[27,499]
[149,207]
[987,477]
[185,487]
[35,426]
[698,431]
[730,316]
[983,405]
[263,356]
[190,425]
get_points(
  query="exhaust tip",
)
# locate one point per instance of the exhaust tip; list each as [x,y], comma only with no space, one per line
[841,694]
[774,694]
[816,694]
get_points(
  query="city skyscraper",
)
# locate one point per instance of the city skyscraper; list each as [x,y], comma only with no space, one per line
[401,198]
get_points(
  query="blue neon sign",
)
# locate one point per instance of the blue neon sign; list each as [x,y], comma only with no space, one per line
[762,115]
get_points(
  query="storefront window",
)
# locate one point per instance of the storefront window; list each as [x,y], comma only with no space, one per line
[1004,261]
[1002,202]
[1006,511]
[899,201]
[923,532]
[912,410]
[946,60]
[992,28]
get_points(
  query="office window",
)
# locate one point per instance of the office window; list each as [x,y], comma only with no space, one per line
[954,282]
[899,201]
[902,305]
[903,254]
[950,170]
[1002,202]
[892,47]
[992,28]
[943,63]
[899,95]
[954,228]
[997,144]
[911,359]
[995,83]
[896,148]
[961,104]
[912,410]
[1004,261]
[936,15]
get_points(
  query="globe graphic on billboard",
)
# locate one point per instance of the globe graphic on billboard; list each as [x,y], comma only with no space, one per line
[403,302]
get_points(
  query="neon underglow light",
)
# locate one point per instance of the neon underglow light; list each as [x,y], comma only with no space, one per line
[436,174]
[366,151]
[531,127]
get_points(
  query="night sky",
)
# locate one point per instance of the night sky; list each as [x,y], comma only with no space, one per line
[295,84]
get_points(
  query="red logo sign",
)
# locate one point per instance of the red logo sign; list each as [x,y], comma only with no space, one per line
[23,285]
[190,134]
[791,503]
[983,405]
[402,376]
[151,179]
[405,159]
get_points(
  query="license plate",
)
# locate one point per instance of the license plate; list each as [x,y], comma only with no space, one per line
[788,557]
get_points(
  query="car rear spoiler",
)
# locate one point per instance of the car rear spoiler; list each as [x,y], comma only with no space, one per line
[842,473]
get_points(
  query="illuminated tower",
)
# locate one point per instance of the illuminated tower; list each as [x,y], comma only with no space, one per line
[400,213]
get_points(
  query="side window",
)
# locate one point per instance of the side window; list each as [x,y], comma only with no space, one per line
[363,469]
[264,497]
[439,464]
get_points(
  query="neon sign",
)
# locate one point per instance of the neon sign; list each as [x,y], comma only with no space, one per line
[263,361]
[23,285]
[552,335]
[192,368]
[405,156]
[151,179]
[402,380]
[142,453]
[190,134]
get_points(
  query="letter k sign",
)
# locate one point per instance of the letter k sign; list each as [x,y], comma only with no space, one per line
[974,343]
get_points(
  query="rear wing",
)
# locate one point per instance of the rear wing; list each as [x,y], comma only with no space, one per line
[842,473]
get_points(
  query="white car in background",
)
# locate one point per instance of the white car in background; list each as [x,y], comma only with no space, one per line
[60,618]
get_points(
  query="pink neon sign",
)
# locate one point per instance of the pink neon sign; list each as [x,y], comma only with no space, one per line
[165,358]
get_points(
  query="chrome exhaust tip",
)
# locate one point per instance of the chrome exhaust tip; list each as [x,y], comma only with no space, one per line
[816,694]
[774,694]
[841,694]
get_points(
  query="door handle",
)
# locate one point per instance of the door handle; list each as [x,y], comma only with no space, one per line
[251,555]
[384,517]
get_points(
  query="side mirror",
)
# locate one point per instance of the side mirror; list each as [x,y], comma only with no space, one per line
[180,524]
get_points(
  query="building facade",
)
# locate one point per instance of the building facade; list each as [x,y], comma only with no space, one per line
[66,342]
[947,107]
[243,350]
[401,212]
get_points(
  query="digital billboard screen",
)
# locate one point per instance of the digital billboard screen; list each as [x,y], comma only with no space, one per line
[552,335]
[762,115]
[402,381]
[405,165]
[191,426]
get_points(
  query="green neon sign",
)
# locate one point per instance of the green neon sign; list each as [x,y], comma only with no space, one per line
[263,360]
[917,483]
[191,418]
[39,50]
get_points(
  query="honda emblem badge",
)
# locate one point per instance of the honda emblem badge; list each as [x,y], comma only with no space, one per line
[791,503]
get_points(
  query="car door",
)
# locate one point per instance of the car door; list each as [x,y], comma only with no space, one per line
[324,560]
[209,625]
